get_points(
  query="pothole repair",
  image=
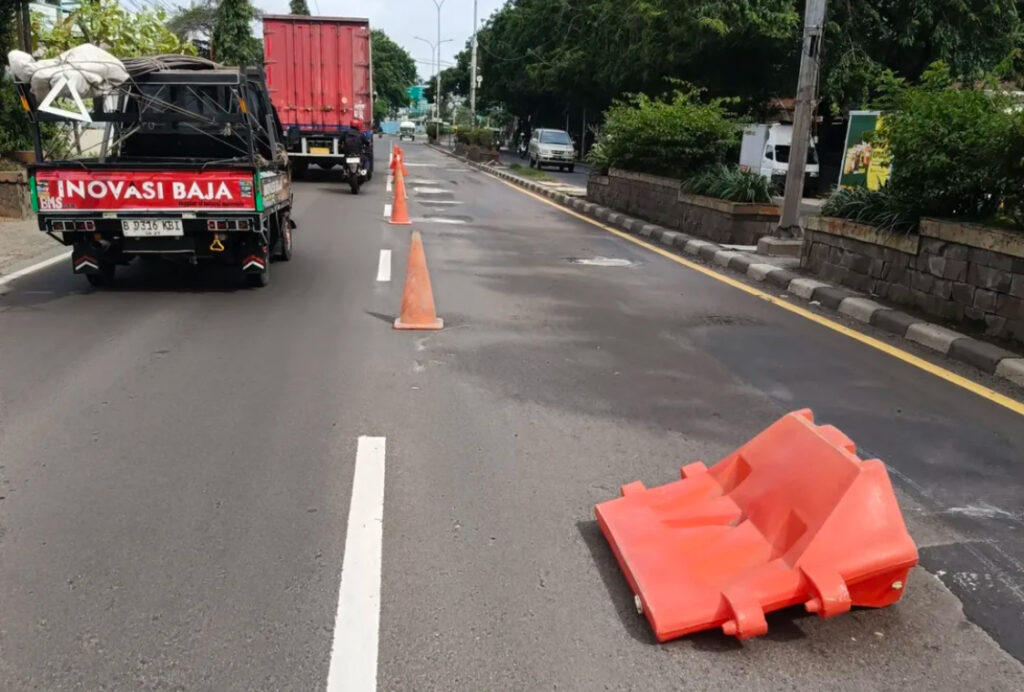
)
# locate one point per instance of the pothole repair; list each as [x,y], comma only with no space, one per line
[600,261]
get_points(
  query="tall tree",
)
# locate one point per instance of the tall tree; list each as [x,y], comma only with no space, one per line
[543,57]
[198,19]
[233,42]
[394,71]
[299,7]
[866,40]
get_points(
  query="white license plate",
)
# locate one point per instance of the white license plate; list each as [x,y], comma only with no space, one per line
[149,228]
[352,160]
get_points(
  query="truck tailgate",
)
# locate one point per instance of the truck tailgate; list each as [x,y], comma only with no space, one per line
[77,190]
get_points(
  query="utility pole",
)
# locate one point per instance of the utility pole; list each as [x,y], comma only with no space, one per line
[810,67]
[472,70]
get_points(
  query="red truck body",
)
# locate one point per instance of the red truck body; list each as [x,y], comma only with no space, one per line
[318,71]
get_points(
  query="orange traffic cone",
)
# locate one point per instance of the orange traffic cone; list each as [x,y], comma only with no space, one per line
[400,210]
[401,162]
[418,297]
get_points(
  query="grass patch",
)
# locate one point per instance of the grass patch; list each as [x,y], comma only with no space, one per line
[530,172]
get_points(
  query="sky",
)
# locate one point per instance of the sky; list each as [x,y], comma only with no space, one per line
[403,20]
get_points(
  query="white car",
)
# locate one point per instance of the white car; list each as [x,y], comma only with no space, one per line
[552,148]
[407,129]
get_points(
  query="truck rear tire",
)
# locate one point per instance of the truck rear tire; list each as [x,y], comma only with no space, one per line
[258,280]
[284,251]
[104,277]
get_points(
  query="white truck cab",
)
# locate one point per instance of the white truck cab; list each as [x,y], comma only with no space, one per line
[766,148]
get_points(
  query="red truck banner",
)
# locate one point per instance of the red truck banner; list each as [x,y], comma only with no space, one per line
[76,190]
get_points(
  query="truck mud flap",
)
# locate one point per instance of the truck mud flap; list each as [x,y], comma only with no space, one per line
[87,260]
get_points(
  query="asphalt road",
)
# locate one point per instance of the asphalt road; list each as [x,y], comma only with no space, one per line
[178,458]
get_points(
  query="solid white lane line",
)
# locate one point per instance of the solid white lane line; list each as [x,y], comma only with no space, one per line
[387,211]
[7,278]
[357,621]
[384,266]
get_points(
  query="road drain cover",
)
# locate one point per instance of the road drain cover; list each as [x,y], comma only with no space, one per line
[600,261]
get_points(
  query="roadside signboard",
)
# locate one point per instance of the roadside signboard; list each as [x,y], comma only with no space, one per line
[865,162]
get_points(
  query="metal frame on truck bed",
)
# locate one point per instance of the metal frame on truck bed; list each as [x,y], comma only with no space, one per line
[189,165]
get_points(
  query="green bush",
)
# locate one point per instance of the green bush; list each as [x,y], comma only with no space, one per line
[481,137]
[674,138]
[879,208]
[597,157]
[731,184]
[957,153]
[432,131]
[15,127]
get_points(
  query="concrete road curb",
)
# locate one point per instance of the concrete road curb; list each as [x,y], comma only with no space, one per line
[987,357]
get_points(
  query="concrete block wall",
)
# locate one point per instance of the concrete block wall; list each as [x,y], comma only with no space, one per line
[961,273]
[661,201]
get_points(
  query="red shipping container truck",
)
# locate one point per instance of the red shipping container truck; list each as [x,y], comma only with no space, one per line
[320,79]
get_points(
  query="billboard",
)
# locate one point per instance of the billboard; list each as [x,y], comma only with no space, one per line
[866,163]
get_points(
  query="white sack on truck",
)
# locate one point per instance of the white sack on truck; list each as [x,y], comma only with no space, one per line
[89,70]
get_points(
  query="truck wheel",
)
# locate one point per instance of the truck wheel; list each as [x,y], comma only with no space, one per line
[284,253]
[104,277]
[354,183]
[258,280]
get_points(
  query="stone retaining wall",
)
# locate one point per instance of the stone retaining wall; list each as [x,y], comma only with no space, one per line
[14,202]
[959,272]
[660,200]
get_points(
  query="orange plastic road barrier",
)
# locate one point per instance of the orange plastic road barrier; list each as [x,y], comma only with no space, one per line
[400,208]
[418,297]
[793,516]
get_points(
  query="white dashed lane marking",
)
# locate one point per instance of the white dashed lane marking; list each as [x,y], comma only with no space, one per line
[384,266]
[357,621]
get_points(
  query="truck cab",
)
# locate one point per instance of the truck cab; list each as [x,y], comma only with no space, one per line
[766,149]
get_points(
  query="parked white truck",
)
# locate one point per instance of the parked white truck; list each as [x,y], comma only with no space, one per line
[765,149]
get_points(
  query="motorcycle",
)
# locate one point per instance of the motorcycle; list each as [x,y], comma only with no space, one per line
[522,149]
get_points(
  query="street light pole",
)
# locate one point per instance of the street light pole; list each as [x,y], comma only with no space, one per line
[435,56]
[810,66]
[472,71]
[438,4]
